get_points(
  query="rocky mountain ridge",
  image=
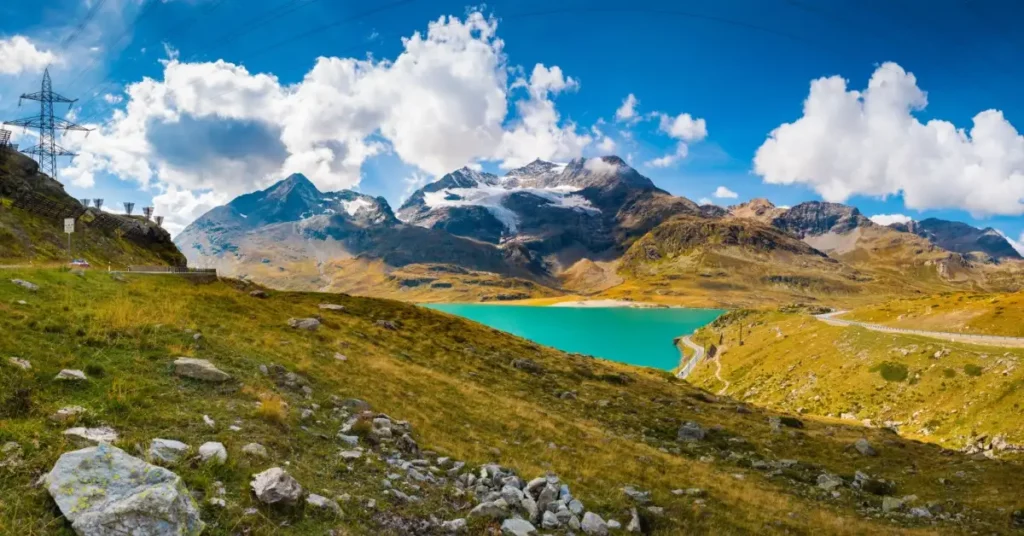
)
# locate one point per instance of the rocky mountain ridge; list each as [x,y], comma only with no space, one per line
[537,223]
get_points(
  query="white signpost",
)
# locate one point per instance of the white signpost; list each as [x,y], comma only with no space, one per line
[69,228]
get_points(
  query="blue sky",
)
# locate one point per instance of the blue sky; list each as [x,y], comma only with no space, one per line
[743,67]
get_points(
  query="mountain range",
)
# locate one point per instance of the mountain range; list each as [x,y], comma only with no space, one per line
[589,226]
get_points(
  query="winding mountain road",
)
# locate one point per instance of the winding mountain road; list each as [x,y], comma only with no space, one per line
[970,338]
[698,356]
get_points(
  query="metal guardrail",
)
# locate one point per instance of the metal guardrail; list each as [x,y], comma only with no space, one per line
[170,270]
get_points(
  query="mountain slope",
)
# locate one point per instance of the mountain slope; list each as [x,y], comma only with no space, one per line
[293,236]
[465,392]
[32,211]
[928,389]
[962,238]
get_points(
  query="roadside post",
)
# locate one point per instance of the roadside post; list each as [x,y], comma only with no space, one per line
[69,229]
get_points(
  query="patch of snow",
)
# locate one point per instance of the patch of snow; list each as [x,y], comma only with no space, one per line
[354,206]
[492,198]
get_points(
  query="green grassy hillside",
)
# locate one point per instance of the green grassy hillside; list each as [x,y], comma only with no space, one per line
[32,211]
[931,390]
[988,314]
[454,381]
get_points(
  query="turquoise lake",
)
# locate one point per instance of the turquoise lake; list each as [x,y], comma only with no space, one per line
[628,335]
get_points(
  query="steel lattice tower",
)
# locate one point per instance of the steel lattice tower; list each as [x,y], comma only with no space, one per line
[47,150]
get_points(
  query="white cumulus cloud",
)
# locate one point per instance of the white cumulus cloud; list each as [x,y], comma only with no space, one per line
[628,109]
[889,219]
[685,129]
[870,142]
[724,193]
[18,55]
[442,103]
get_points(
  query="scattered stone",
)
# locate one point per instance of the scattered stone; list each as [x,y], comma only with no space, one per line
[517,527]
[387,324]
[829,482]
[323,504]
[613,525]
[690,432]
[497,509]
[1017,519]
[25,284]
[549,521]
[255,450]
[199,369]
[67,413]
[350,454]
[332,307]
[258,294]
[593,524]
[23,364]
[527,365]
[340,357]
[349,440]
[213,452]
[308,324]
[135,497]
[891,504]
[920,512]
[209,422]
[168,451]
[275,486]
[11,454]
[634,521]
[864,447]
[640,497]
[91,436]
[455,525]
[70,375]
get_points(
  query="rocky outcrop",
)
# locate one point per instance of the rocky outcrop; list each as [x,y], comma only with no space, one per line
[103,490]
[817,218]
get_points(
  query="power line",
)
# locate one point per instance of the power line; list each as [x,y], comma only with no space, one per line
[89,15]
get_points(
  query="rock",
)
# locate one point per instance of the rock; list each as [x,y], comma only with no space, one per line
[634,521]
[491,509]
[23,364]
[167,451]
[1017,519]
[576,507]
[275,486]
[518,527]
[550,521]
[67,413]
[355,405]
[308,324]
[530,507]
[527,365]
[323,504]
[455,525]
[332,307]
[350,455]
[213,452]
[199,369]
[613,525]
[864,447]
[775,424]
[920,512]
[25,284]
[387,324]
[407,445]
[349,440]
[340,357]
[640,497]
[209,422]
[829,482]
[258,294]
[91,436]
[690,432]
[891,504]
[70,375]
[593,524]
[255,450]
[102,490]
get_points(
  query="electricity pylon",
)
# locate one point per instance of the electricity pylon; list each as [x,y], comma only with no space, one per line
[47,149]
